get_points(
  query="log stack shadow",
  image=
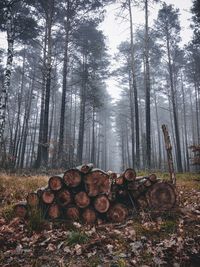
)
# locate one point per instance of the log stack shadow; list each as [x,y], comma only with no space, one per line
[90,195]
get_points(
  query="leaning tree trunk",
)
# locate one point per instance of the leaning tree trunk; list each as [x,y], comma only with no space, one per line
[7,77]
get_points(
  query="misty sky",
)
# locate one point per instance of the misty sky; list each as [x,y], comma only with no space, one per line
[117,29]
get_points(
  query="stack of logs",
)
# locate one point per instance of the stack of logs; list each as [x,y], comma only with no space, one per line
[196,150]
[92,196]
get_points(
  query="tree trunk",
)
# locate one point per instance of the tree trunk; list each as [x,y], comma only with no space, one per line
[26,121]
[178,146]
[64,87]
[147,90]
[82,112]
[7,77]
[185,126]
[158,131]
[45,144]
[19,102]
[132,121]
[135,89]
[93,137]
[41,128]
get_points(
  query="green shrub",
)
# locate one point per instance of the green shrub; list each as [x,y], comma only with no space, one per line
[77,238]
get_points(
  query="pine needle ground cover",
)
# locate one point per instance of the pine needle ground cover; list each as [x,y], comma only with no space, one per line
[150,239]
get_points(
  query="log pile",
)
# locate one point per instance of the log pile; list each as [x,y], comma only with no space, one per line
[92,196]
[196,150]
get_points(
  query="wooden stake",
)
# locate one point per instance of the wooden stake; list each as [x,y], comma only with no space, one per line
[168,147]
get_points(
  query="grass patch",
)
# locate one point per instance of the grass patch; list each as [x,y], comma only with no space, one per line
[121,263]
[169,227]
[94,261]
[8,212]
[77,237]
[36,220]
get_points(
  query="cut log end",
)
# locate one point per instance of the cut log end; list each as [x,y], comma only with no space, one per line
[161,196]
[119,180]
[54,211]
[89,216]
[82,200]
[153,177]
[97,182]
[32,199]
[20,210]
[64,198]
[73,213]
[72,178]
[129,175]
[47,196]
[102,204]
[55,183]
[118,213]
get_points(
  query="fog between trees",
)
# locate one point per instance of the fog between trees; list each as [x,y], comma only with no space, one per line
[55,109]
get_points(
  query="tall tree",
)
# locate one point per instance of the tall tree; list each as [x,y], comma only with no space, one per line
[147,88]
[168,29]
[91,45]
[16,20]
[134,84]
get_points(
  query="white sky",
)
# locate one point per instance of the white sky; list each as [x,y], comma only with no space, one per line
[117,30]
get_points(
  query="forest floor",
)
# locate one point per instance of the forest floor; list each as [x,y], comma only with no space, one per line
[165,239]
